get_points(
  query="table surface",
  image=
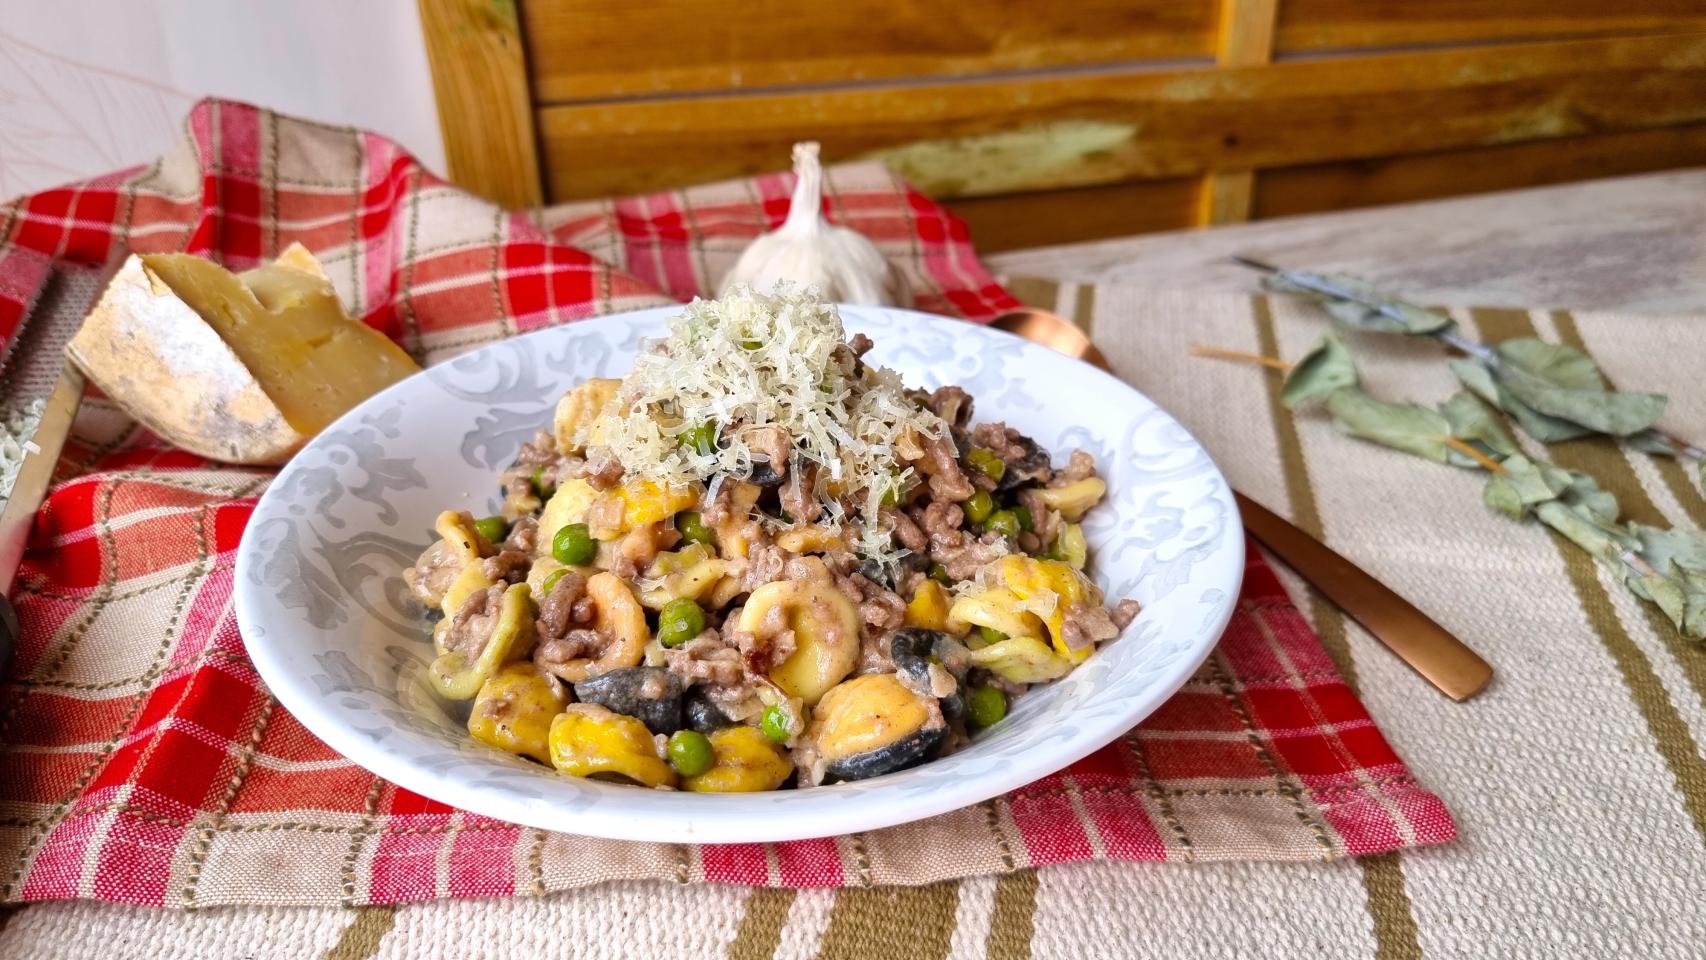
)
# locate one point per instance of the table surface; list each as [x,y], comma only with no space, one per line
[1510,887]
[1625,243]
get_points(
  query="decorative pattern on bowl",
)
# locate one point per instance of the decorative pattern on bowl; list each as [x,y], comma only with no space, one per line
[344,647]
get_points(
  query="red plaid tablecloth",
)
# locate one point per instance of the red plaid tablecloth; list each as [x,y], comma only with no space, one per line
[145,762]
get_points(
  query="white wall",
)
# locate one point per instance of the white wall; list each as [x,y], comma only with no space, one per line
[88,86]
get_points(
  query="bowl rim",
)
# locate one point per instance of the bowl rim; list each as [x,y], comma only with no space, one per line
[295,690]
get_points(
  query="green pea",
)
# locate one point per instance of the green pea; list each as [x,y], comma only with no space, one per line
[1004,522]
[540,487]
[550,583]
[939,574]
[573,545]
[690,752]
[775,723]
[979,507]
[703,438]
[1026,521]
[985,705]
[986,462]
[991,635]
[692,528]
[494,529]
[679,621]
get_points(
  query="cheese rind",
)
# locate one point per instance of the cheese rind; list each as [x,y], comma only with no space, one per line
[241,368]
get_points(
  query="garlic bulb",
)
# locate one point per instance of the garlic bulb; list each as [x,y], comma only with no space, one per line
[809,251]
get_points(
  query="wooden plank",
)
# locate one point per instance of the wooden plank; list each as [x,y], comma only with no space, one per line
[1312,25]
[1082,213]
[595,49]
[1020,221]
[979,139]
[1362,183]
[1246,37]
[479,75]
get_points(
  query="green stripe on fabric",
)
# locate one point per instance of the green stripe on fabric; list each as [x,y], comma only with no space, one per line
[1035,291]
[912,922]
[1395,935]
[1084,308]
[1675,744]
[1608,464]
[1385,896]
[1670,733]
[760,930]
[1300,491]
[1673,473]
[1012,922]
[360,940]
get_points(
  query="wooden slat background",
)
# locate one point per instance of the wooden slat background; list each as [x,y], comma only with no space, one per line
[1050,123]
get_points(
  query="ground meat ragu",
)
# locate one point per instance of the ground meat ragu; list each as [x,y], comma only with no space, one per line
[947,479]
[952,404]
[541,451]
[556,655]
[771,444]
[1124,613]
[1045,522]
[509,566]
[906,530]
[520,499]
[470,627]
[636,549]
[798,495]
[557,609]
[718,668]
[940,518]
[964,559]
[1001,440]
[765,563]
[439,566]
[1084,625]
[601,468]
[1080,467]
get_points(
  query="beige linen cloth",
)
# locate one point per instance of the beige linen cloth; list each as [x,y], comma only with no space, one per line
[1577,779]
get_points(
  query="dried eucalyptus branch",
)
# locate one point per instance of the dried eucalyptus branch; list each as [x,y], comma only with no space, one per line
[1554,392]
[1665,567]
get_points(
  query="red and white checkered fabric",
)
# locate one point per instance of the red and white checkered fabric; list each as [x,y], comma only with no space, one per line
[146,763]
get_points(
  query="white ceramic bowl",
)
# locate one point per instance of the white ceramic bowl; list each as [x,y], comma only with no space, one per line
[342,645]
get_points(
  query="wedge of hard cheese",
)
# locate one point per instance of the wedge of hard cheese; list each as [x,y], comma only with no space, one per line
[236,367]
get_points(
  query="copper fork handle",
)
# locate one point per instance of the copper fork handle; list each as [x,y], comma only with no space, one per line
[1430,649]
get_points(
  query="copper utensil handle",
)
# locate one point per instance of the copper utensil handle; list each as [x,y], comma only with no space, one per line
[1442,659]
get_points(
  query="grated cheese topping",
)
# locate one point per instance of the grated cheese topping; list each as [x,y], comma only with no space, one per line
[748,362]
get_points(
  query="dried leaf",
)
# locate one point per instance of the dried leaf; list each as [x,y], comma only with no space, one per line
[1403,426]
[1475,375]
[1357,305]
[1605,541]
[1651,441]
[1668,549]
[1582,492]
[1323,370]
[1474,422]
[1523,485]
[1562,382]
[1679,557]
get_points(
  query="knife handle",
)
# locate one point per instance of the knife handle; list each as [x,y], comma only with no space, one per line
[1441,658]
